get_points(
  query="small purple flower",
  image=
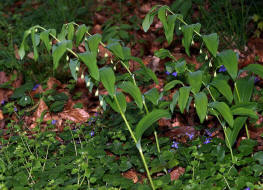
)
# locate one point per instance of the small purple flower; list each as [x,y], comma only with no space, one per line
[248,188]
[169,170]
[208,133]
[174,74]
[256,80]
[35,87]
[2,102]
[222,69]
[175,145]
[53,122]
[191,136]
[92,133]
[15,109]
[168,73]
[207,140]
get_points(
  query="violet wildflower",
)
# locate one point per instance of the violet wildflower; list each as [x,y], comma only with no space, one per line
[222,69]
[168,73]
[35,87]
[15,109]
[175,145]
[248,188]
[208,133]
[174,74]
[256,80]
[169,170]
[53,122]
[207,140]
[191,136]
[92,133]
[2,102]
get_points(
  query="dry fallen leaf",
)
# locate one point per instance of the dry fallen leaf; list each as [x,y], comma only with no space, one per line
[75,115]
[1,115]
[51,82]
[41,108]
[176,173]
[131,174]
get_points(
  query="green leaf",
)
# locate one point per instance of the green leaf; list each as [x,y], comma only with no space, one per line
[224,110]
[80,33]
[228,58]
[201,102]
[255,68]
[146,70]
[63,33]
[58,51]
[44,36]
[183,97]
[174,101]
[24,100]
[163,53]
[152,95]
[108,80]
[21,50]
[70,31]
[93,42]
[223,87]
[121,100]
[116,49]
[195,80]
[148,20]
[148,120]
[245,112]
[243,90]
[188,31]
[134,91]
[180,66]
[34,43]
[57,106]
[211,42]
[89,58]
[74,67]
[172,84]
[259,157]
[233,133]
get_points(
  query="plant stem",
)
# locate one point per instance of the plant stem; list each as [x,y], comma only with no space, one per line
[136,142]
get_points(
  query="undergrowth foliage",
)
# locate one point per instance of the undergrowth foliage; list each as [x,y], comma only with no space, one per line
[215,89]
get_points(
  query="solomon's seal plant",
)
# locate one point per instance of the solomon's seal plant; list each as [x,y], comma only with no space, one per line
[224,95]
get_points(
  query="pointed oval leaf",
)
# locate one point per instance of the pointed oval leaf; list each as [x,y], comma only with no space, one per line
[228,58]
[116,49]
[224,110]
[108,80]
[113,104]
[21,50]
[152,95]
[80,33]
[243,90]
[74,67]
[174,101]
[134,91]
[148,20]
[244,112]
[34,43]
[201,102]
[172,84]
[44,36]
[93,42]
[89,58]
[183,97]
[211,42]
[148,120]
[223,87]
[188,31]
[195,80]
[255,68]
[58,51]
[70,31]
